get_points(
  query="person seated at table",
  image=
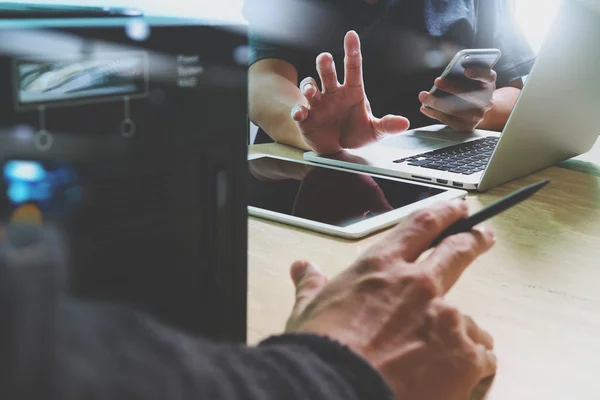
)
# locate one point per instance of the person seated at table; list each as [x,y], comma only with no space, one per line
[407,44]
[379,330]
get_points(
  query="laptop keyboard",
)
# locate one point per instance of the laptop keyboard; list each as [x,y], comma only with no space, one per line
[464,158]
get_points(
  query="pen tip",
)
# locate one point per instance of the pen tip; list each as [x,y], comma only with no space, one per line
[539,185]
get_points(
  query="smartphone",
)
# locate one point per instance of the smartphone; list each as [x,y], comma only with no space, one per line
[467,58]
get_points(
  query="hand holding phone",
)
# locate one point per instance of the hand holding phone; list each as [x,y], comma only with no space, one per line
[462,95]
[468,58]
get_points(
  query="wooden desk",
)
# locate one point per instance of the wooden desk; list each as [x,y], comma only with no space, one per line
[537,291]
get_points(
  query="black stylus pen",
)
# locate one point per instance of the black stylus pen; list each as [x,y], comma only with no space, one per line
[466,224]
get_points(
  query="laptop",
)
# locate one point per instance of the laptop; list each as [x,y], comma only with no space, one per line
[556,117]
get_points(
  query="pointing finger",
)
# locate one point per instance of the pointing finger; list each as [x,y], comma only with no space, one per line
[353,60]
[409,240]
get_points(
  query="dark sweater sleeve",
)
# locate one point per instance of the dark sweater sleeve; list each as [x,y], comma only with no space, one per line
[57,347]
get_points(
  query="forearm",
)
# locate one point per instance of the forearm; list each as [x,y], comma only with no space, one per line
[53,346]
[312,367]
[504,100]
[271,99]
[148,361]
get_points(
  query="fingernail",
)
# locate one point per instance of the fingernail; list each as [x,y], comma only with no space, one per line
[468,73]
[322,60]
[307,86]
[295,110]
[354,50]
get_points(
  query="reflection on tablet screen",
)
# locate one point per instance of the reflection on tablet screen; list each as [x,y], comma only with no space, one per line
[326,195]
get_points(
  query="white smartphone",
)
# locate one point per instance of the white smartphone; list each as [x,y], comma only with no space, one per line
[467,58]
[332,200]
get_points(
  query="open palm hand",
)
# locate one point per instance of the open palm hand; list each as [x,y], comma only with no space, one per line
[339,116]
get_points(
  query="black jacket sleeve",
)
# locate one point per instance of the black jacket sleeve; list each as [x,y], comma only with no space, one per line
[53,346]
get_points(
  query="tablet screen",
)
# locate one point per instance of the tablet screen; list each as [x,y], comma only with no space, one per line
[329,196]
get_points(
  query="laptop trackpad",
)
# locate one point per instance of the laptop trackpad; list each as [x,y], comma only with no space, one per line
[410,141]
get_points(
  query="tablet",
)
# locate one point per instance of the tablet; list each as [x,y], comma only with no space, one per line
[334,201]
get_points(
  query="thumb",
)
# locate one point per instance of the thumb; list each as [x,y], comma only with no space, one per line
[308,280]
[390,124]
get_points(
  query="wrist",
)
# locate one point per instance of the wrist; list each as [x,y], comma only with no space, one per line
[286,132]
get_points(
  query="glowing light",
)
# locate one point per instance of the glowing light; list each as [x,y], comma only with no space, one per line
[138,30]
[27,213]
[18,192]
[41,192]
[27,171]
[23,132]
[434,59]
[241,55]
[535,18]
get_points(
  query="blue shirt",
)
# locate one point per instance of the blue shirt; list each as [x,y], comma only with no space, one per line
[406,44]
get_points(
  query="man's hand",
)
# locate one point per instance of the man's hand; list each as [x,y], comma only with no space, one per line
[466,109]
[388,308]
[339,116]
